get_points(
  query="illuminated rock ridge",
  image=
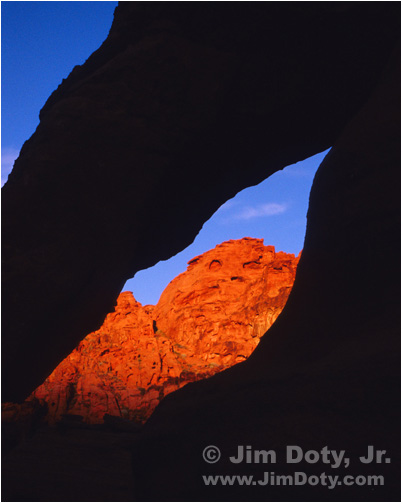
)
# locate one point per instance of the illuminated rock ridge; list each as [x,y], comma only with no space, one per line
[208,318]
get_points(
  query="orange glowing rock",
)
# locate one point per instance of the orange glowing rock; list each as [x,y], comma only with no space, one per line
[208,318]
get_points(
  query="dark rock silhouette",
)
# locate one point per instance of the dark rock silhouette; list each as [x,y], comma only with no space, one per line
[327,372]
[224,95]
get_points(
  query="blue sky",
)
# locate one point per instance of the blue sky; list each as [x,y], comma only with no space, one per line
[274,210]
[41,43]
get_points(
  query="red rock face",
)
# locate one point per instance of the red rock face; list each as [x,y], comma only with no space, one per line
[207,319]
[219,308]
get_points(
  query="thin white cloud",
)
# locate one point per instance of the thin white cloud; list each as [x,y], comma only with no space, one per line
[262,210]
[8,156]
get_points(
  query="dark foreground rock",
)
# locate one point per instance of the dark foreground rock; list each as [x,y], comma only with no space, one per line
[69,464]
[224,94]
[327,372]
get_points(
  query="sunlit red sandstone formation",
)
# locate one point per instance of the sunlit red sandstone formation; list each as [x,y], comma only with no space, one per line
[207,319]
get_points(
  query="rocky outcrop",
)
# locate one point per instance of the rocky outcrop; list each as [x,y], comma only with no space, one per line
[207,319]
[224,95]
[138,147]
[225,301]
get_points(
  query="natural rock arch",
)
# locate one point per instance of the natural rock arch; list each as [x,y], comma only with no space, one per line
[163,101]
[230,93]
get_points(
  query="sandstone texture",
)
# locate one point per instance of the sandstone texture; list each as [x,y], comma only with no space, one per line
[207,319]
[190,103]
